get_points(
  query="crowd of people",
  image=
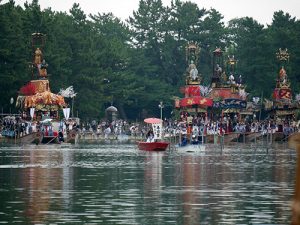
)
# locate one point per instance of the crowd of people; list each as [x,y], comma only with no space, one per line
[14,126]
[202,125]
[197,125]
[118,127]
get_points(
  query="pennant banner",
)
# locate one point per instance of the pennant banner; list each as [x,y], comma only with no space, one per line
[32,112]
[157,130]
[66,113]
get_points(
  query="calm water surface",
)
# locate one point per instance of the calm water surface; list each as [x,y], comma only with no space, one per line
[118,184]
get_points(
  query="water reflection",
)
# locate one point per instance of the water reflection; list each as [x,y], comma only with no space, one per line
[153,172]
[118,184]
[49,180]
[191,183]
[43,181]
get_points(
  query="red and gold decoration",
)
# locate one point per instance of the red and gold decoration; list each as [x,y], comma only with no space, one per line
[39,100]
[282,90]
[224,93]
[282,99]
[192,90]
[282,93]
[36,93]
[28,89]
[196,101]
[40,85]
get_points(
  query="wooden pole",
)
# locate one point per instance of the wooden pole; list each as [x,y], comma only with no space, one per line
[261,105]
[294,141]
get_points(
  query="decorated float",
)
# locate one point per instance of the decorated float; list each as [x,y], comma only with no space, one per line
[282,107]
[225,98]
[228,90]
[228,94]
[195,102]
[39,106]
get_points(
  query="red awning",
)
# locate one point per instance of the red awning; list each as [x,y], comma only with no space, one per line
[196,100]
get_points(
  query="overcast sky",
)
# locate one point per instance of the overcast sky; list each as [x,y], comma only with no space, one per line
[260,10]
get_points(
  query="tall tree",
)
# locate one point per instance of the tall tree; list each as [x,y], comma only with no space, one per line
[185,21]
[13,57]
[147,29]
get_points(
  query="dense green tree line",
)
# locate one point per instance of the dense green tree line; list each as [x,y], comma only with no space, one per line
[137,63]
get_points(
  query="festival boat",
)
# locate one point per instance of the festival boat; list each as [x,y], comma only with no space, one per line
[228,94]
[195,102]
[154,137]
[153,146]
[226,97]
[282,107]
[40,107]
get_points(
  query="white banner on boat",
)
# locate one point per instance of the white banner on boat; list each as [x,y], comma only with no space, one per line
[157,130]
[66,113]
[32,112]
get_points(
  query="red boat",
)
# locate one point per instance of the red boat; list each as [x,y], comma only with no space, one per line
[153,146]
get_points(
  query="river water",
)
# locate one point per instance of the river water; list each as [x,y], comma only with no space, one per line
[119,184]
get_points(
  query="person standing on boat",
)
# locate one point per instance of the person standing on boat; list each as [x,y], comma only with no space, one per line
[231,79]
[240,81]
[60,136]
[150,136]
[50,131]
[43,69]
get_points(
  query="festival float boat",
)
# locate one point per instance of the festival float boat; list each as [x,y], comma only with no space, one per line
[195,101]
[282,108]
[228,94]
[154,137]
[40,107]
[229,97]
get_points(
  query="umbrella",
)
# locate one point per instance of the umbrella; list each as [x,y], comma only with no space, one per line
[152,120]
